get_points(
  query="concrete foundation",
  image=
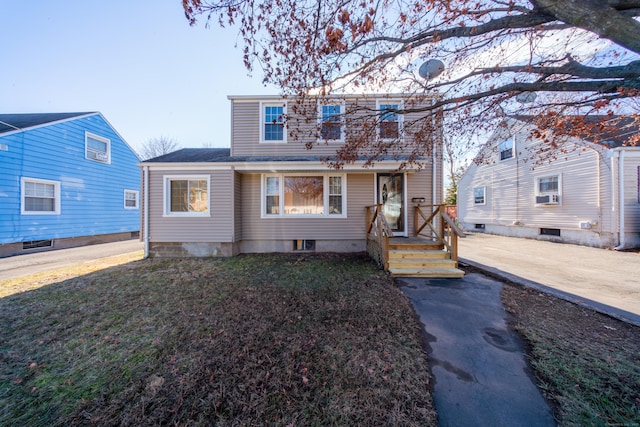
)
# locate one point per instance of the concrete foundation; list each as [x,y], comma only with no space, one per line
[227,249]
[577,237]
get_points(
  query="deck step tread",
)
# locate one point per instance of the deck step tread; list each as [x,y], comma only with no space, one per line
[444,273]
[430,254]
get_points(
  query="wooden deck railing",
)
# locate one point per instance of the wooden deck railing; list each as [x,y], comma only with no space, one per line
[444,231]
[378,234]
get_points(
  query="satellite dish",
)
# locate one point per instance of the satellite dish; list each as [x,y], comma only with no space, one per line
[526,97]
[431,68]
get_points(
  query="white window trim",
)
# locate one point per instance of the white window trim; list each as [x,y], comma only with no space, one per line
[400,103]
[101,139]
[544,193]
[484,195]
[56,185]
[325,183]
[137,194]
[513,148]
[166,193]
[264,104]
[342,121]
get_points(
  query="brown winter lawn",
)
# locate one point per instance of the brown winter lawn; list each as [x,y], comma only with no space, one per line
[289,340]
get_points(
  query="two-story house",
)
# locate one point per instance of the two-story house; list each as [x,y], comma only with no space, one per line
[269,193]
[66,179]
[588,194]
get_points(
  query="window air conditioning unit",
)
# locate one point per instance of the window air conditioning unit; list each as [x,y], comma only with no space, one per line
[548,199]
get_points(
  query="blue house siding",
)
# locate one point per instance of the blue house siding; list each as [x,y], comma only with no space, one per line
[91,192]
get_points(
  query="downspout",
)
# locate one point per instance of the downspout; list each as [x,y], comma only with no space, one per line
[621,242]
[145,221]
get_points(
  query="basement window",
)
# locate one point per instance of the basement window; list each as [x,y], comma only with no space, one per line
[479,226]
[35,244]
[550,232]
[304,245]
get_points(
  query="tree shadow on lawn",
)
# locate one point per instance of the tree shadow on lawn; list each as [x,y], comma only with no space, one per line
[276,339]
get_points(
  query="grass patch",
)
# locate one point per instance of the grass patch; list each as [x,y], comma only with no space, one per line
[587,363]
[34,281]
[250,340]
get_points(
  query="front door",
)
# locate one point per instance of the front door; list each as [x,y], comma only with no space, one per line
[391,196]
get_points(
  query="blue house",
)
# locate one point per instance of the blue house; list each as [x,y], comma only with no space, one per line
[66,179]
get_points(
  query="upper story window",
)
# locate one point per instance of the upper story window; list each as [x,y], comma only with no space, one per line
[40,197]
[273,126]
[97,148]
[505,148]
[302,195]
[186,195]
[479,195]
[390,119]
[331,122]
[131,199]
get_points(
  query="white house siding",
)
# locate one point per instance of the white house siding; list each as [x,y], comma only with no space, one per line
[333,234]
[632,198]
[510,207]
[193,236]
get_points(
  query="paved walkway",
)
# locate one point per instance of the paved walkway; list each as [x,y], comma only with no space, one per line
[478,365]
[26,264]
[605,280]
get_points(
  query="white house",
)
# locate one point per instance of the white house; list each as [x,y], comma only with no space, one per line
[589,195]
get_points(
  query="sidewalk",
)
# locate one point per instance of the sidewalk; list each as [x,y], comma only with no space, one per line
[605,280]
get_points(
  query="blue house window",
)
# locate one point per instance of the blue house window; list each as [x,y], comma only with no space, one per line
[40,197]
[273,127]
[131,199]
[97,148]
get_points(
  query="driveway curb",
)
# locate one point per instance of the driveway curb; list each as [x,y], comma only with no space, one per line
[495,273]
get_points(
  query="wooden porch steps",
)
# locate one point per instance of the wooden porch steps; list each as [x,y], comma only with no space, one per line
[421,259]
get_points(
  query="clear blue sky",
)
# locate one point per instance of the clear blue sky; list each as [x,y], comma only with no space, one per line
[138,62]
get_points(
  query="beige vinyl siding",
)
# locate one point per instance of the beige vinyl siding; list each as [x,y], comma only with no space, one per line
[237,201]
[419,184]
[218,227]
[247,121]
[360,193]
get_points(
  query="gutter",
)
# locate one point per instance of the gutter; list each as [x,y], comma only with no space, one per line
[621,153]
[145,220]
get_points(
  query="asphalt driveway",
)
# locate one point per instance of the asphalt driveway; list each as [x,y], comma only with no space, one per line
[26,264]
[606,280]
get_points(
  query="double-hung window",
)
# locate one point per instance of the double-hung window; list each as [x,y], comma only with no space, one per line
[505,148]
[548,184]
[273,126]
[97,148]
[331,122]
[304,195]
[40,197]
[390,120]
[479,195]
[186,195]
[131,199]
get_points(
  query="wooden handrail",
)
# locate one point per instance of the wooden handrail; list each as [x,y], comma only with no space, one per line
[378,233]
[446,230]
